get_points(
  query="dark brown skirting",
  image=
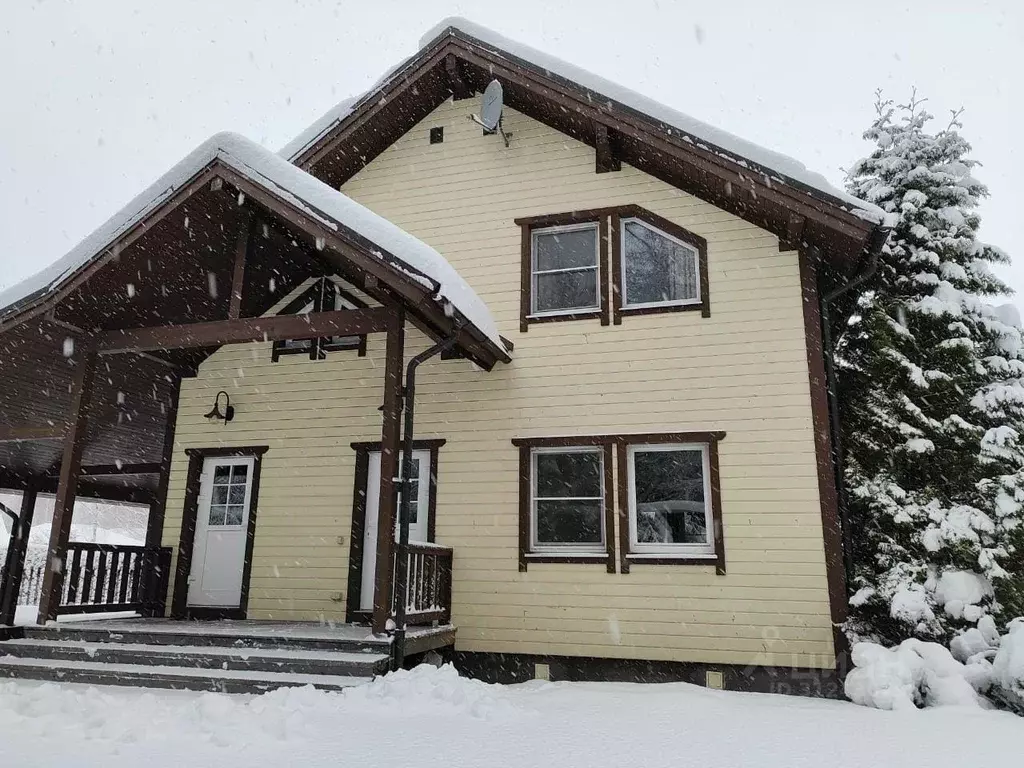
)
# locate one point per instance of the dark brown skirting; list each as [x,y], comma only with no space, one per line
[518,668]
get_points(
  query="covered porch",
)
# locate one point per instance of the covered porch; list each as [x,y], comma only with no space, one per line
[96,349]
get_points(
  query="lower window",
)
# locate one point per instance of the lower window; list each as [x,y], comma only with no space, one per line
[567,505]
[670,500]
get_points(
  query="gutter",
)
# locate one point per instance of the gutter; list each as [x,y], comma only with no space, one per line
[408,440]
[872,250]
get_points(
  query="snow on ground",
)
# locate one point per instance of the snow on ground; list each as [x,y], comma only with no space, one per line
[430,717]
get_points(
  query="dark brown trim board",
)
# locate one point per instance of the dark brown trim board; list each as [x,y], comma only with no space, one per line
[186,540]
[830,521]
[618,503]
[508,668]
[316,292]
[355,548]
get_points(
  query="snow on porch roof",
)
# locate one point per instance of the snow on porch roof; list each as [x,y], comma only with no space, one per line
[324,204]
[727,145]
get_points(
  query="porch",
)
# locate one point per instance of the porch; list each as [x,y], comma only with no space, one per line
[91,381]
[231,656]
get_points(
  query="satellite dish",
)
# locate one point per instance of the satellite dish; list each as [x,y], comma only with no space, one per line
[490,111]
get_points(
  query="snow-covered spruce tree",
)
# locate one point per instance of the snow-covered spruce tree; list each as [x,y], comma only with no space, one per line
[931,398]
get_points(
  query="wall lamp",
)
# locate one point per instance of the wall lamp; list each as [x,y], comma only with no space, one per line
[229,410]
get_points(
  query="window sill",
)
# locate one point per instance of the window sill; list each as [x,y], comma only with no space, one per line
[658,309]
[716,561]
[568,557]
[583,314]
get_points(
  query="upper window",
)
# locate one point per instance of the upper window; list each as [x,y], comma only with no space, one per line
[657,269]
[323,295]
[567,505]
[565,269]
[670,500]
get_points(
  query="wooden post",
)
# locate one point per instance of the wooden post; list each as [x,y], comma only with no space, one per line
[16,559]
[67,486]
[238,276]
[390,446]
[158,508]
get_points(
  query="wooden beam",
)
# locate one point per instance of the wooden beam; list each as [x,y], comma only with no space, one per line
[607,157]
[17,434]
[390,434]
[343,322]
[67,486]
[238,275]
[456,82]
[794,233]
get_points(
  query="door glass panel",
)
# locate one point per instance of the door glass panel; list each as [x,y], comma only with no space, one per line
[217,513]
[227,499]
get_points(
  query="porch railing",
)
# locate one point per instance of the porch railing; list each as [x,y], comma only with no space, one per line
[428,595]
[106,578]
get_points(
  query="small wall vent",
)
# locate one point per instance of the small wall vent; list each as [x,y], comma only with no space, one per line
[436,135]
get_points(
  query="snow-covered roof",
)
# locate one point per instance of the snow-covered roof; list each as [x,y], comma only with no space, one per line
[738,150]
[326,205]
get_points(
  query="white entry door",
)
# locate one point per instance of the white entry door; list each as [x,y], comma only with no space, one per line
[418,511]
[222,524]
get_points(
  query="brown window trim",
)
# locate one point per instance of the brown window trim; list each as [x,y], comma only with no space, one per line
[528,225]
[318,347]
[526,445]
[671,228]
[615,448]
[355,544]
[609,221]
[628,558]
[186,540]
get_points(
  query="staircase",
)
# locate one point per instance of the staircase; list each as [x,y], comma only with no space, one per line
[230,657]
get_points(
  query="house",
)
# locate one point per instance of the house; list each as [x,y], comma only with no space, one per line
[606,315]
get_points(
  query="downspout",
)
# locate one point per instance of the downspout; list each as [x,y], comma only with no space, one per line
[874,247]
[408,439]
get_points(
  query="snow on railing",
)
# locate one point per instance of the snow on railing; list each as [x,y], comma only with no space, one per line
[428,595]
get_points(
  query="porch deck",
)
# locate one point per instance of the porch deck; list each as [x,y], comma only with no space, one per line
[224,655]
[244,632]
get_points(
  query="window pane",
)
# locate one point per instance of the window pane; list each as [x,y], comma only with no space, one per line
[217,514]
[220,494]
[569,522]
[239,473]
[569,474]
[222,473]
[565,290]
[657,269]
[562,250]
[670,504]
[237,494]
[234,515]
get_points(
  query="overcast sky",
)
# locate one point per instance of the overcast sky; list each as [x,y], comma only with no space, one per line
[101,97]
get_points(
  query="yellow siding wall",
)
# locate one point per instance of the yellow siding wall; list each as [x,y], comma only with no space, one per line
[742,371]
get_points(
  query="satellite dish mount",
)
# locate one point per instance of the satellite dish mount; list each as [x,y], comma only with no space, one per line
[490,112]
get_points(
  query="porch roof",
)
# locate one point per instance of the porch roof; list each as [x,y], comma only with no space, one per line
[406,256]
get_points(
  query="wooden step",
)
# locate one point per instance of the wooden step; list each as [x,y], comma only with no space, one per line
[360,664]
[174,677]
[214,634]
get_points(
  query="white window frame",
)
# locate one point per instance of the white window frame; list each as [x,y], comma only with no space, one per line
[682,551]
[622,277]
[534,233]
[599,548]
